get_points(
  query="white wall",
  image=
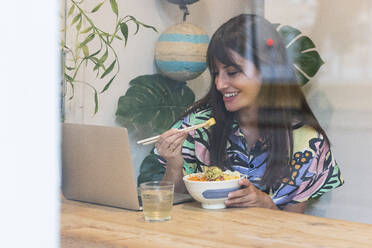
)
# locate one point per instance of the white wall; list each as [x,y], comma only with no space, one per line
[340,93]
[137,58]
[29,133]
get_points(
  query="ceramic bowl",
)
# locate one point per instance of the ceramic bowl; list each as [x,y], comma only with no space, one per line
[211,194]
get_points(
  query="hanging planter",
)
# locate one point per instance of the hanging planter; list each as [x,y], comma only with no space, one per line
[183,2]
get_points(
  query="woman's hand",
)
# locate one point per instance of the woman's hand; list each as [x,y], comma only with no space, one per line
[249,196]
[169,146]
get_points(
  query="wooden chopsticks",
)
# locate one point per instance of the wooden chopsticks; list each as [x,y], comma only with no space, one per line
[207,124]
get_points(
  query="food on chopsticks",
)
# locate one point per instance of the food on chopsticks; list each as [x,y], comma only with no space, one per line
[213,173]
[154,139]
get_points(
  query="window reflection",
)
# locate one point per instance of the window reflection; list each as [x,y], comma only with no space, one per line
[339,93]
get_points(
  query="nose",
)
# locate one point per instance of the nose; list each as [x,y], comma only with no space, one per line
[220,82]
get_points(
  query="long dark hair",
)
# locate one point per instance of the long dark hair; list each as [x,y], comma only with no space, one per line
[281,101]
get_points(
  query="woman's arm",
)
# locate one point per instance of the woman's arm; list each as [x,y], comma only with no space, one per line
[175,175]
[296,208]
[169,146]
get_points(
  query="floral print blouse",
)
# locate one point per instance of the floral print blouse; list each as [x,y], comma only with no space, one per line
[313,169]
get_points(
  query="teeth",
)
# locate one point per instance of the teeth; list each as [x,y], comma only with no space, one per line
[230,94]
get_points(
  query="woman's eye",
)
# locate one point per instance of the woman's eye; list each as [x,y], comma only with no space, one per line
[232,73]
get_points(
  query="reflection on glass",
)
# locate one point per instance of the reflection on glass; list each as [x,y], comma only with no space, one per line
[337,93]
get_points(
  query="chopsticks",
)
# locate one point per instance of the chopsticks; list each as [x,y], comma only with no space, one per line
[152,140]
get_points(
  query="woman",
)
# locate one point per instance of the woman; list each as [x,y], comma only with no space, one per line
[264,126]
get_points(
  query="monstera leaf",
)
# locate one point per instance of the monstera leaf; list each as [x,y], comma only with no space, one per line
[154,99]
[301,50]
[150,170]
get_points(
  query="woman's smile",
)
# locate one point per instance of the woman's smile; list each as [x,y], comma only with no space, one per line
[230,96]
[239,84]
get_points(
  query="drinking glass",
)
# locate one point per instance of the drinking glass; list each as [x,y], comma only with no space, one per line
[157,200]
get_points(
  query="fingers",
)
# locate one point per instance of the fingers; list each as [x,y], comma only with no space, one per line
[241,192]
[245,182]
[170,143]
[167,138]
[245,197]
[177,144]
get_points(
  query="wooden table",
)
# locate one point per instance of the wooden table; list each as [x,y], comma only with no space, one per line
[88,225]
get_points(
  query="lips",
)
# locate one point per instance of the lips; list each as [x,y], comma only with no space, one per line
[229,96]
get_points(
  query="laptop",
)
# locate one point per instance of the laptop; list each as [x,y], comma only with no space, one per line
[97,167]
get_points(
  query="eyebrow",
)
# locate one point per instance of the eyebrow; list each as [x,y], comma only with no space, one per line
[236,67]
[227,66]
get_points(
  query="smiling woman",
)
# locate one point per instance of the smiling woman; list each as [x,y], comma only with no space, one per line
[239,85]
[261,117]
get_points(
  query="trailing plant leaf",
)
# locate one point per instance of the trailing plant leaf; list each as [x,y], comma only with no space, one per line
[301,50]
[73,89]
[85,51]
[71,10]
[95,101]
[98,64]
[109,69]
[74,57]
[78,27]
[124,31]
[69,78]
[87,40]
[104,57]
[114,6]
[147,26]
[155,99]
[70,68]
[95,53]
[108,84]
[95,9]
[136,22]
[76,18]
[86,30]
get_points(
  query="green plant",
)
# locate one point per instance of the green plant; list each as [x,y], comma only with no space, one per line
[301,50]
[104,60]
[154,101]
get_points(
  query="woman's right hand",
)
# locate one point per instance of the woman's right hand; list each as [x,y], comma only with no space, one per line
[169,146]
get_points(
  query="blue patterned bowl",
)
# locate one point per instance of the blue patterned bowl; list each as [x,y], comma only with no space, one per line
[211,194]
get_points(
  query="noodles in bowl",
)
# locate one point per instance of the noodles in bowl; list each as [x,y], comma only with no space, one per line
[212,186]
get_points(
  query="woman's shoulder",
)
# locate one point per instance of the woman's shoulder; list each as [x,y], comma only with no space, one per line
[313,169]
[198,116]
[300,129]
[194,117]
[305,136]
